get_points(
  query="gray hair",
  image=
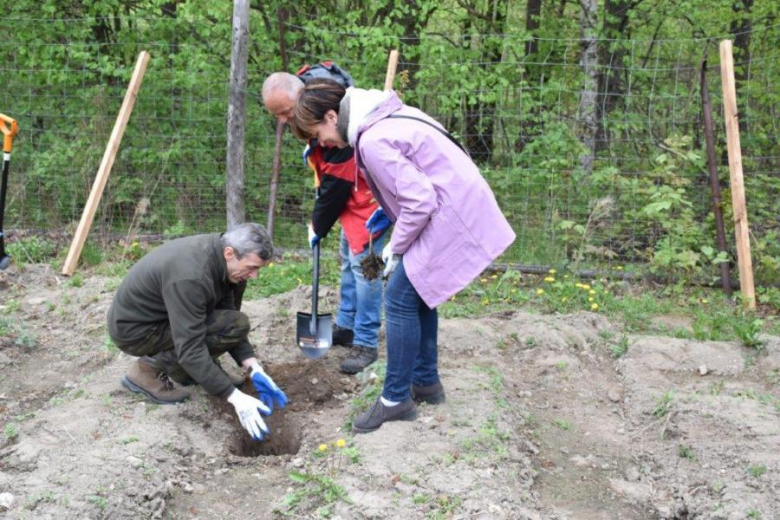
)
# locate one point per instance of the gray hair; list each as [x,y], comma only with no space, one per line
[249,238]
[282,83]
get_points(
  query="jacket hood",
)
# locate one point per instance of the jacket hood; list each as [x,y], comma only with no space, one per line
[359,109]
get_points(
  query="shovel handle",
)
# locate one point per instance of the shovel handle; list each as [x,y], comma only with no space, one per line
[8,133]
[315,286]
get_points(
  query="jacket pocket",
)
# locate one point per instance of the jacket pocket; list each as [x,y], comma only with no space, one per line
[443,241]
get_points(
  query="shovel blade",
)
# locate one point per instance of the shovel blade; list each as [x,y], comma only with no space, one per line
[314,341]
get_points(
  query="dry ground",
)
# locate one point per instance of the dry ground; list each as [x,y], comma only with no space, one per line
[542,421]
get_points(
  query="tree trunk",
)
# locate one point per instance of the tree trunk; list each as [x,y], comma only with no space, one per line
[236,126]
[741,27]
[589,64]
[611,86]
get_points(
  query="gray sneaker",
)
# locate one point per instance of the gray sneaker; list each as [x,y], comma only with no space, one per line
[379,414]
[359,358]
[431,394]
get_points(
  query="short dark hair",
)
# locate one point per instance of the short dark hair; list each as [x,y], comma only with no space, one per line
[249,238]
[317,97]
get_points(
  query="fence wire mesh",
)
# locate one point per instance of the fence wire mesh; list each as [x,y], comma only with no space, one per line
[593,163]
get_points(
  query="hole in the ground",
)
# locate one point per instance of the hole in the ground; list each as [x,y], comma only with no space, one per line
[309,386]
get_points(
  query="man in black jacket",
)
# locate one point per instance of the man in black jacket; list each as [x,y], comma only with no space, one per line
[176,311]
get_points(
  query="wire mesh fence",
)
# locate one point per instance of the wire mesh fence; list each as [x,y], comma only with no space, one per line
[594,164]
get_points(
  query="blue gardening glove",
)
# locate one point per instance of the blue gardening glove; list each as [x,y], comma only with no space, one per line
[267,390]
[378,221]
[313,237]
[391,260]
[248,410]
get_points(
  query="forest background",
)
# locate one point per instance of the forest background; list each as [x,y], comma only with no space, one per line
[584,116]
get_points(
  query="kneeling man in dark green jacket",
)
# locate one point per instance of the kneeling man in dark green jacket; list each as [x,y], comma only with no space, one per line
[176,310]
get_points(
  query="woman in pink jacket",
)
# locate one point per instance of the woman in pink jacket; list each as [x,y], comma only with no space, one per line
[448,226]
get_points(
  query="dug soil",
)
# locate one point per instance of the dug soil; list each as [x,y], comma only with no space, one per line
[541,421]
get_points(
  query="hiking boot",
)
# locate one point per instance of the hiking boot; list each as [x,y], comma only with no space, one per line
[431,394]
[342,336]
[359,358]
[235,379]
[153,383]
[379,414]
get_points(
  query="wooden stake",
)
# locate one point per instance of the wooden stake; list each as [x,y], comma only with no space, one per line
[105,165]
[712,167]
[741,229]
[392,65]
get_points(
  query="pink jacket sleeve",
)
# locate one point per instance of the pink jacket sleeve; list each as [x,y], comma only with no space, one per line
[400,179]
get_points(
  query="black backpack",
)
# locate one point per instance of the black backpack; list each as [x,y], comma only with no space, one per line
[328,70]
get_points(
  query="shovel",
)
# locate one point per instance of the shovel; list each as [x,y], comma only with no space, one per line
[9,128]
[314,332]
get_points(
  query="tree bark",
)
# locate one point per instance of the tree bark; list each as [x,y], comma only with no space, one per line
[589,65]
[236,123]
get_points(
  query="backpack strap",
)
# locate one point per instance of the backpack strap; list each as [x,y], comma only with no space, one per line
[444,132]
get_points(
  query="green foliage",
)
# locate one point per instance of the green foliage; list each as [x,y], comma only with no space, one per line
[664,404]
[10,431]
[747,329]
[290,272]
[31,250]
[317,488]
[465,64]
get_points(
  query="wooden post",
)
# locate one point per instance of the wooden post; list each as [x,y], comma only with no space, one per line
[236,122]
[741,229]
[392,65]
[712,166]
[105,165]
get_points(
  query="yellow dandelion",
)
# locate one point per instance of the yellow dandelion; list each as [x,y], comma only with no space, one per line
[594,307]
[619,268]
[540,291]
[592,291]
[549,279]
[578,285]
[341,443]
[551,271]
[483,280]
[590,299]
[271,264]
[514,290]
[494,276]
[563,300]
[704,300]
[323,447]
[586,287]
[566,276]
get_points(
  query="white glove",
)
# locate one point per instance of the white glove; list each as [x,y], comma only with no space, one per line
[248,410]
[313,237]
[391,261]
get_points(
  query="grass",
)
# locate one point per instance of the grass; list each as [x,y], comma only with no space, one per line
[288,273]
[664,404]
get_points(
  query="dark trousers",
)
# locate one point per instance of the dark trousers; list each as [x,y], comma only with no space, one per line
[225,330]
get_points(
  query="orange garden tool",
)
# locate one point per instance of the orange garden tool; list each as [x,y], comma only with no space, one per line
[9,128]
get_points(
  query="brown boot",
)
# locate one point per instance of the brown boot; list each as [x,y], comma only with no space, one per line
[154,384]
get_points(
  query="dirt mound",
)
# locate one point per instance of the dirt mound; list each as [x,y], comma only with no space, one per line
[543,419]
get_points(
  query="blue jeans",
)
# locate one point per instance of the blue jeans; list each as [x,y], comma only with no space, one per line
[412,344]
[361,300]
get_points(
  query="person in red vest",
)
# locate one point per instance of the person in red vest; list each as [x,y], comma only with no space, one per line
[341,196]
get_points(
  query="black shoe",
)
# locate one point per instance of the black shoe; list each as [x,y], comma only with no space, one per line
[342,337]
[359,358]
[431,394]
[379,414]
